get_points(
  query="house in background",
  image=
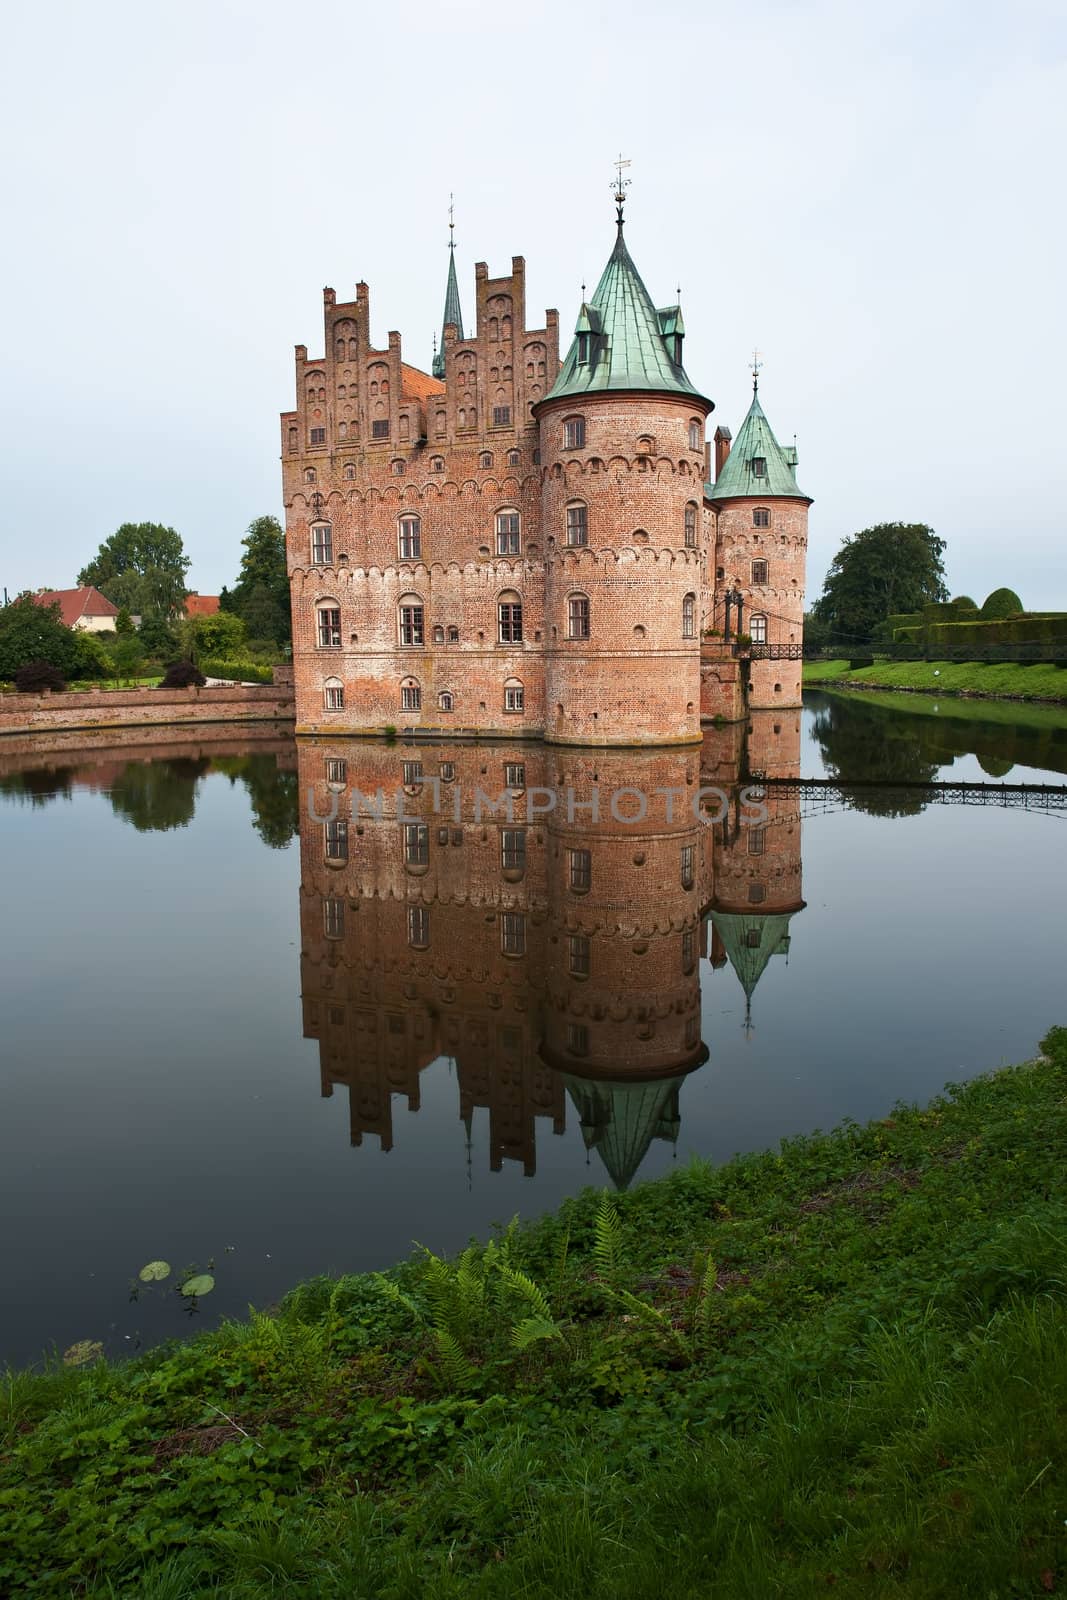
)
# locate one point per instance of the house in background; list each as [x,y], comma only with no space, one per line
[201,605]
[85,608]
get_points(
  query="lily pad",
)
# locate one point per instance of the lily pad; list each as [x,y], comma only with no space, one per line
[203,1283]
[154,1272]
[80,1354]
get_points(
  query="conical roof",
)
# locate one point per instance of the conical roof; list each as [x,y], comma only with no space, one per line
[453,312]
[620,1119]
[622,339]
[750,942]
[756,443]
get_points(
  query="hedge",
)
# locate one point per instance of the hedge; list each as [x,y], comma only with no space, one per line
[240,671]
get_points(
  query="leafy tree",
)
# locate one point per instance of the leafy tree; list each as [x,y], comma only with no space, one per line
[275,796]
[156,796]
[261,593]
[33,676]
[860,740]
[142,567]
[892,567]
[127,655]
[1001,603]
[158,639]
[182,675]
[221,637]
[32,632]
[263,618]
[124,622]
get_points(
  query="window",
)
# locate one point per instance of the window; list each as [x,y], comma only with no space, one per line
[580,866]
[412,630]
[321,544]
[412,772]
[583,349]
[691,525]
[757,841]
[507,533]
[513,933]
[761,517]
[333,918]
[416,844]
[578,616]
[513,849]
[409,538]
[336,770]
[410,695]
[759,466]
[515,774]
[696,440]
[509,618]
[318,436]
[453,635]
[418,927]
[501,416]
[446,700]
[759,572]
[689,621]
[578,524]
[757,893]
[380,429]
[437,463]
[577,1039]
[329,629]
[438,635]
[485,459]
[448,771]
[757,629]
[688,864]
[578,955]
[310,475]
[397,467]
[513,458]
[574,433]
[334,694]
[688,951]
[335,840]
[514,696]
[350,470]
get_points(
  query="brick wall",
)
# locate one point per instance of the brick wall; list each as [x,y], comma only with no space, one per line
[107,708]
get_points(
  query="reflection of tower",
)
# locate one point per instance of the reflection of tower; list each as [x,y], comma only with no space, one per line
[622,1002]
[757,864]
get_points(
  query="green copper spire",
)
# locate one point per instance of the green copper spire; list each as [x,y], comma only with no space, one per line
[453,309]
[620,1119]
[621,341]
[757,465]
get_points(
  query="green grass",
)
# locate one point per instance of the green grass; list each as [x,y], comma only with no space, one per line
[840,1367]
[1041,680]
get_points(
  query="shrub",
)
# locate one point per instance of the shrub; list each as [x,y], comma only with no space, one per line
[240,671]
[182,675]
[33,676]
[1001,603]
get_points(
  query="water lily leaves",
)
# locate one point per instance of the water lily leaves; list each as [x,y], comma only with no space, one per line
[202,1283]
[80,1354]
[154,1272]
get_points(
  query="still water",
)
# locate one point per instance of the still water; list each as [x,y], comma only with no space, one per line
[243,1026]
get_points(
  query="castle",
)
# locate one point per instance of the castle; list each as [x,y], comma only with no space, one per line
[516,546]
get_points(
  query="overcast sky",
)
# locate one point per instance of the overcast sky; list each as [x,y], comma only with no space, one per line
[872,194]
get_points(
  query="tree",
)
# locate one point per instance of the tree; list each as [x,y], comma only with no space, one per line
[156,796]
[261,593]
[142,567]
[33,676]
[32,632]
[127,655]
[220,637]
[158,639]
[892,567]
[124,622]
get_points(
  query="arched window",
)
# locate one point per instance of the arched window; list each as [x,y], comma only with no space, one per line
[760,570]
[409,538]
[645,444]
[761,517]
[574,433]
[757,628]
[509,617]
[321,544]
[577,523]
[410,617]
[453,635]
[578,616]
[419,927]
[514,458]
[438,635]
[328,625]
[335,841]
[350,470]
[689,617]
[437,463]
[691,524]
[485,459]
[410,695]
[333,694]
[309,474]
[446,700]
[397,468]
[514,695]
[508,534]
[696,434]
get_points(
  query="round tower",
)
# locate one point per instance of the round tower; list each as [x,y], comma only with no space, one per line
[622,469]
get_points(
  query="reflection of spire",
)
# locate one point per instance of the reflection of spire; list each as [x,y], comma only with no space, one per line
[620,1120]
[453,309]
[750,941]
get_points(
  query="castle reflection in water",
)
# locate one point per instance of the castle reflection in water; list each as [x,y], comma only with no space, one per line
[555,956]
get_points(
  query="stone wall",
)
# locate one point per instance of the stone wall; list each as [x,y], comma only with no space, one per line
[93,709]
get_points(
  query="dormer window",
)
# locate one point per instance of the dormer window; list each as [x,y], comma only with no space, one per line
[759,466]
[583,349]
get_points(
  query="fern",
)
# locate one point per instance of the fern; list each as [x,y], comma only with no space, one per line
[529,1292]
[393,1292]
[532,1329]
[453,1366]
[607,1239]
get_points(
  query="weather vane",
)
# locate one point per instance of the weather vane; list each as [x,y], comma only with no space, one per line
[756,365]
[620,185]
[451,222]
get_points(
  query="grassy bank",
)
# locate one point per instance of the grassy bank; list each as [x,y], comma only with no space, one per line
[840,1367]
[1040,680]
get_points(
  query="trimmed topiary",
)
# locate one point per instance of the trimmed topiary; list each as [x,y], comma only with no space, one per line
[182,675]
[1001,603]
[33,676]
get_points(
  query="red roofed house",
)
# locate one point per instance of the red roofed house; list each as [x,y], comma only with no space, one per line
[201,605]
[84,608]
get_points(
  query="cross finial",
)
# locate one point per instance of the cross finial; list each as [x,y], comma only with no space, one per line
[451,222]
[620,186]
[755,369]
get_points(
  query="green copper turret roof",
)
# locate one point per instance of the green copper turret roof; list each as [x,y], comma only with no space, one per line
[750,941]
[621,341]
[620,1119]
[756,443]
[453,312]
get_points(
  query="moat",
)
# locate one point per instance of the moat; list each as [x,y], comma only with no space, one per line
[247,1024]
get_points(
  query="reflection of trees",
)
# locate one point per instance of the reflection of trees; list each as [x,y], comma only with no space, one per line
[156,796]
[275,800]
[863,741]
[39,786]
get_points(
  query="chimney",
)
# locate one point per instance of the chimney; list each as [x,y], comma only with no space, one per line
[723,440]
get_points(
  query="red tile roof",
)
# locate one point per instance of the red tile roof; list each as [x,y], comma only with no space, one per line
[77,603]
[418,385]
[201,605]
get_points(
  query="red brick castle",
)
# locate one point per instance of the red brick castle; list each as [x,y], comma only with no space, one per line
[514,545]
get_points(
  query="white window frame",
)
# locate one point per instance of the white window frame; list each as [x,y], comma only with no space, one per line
[409,537]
